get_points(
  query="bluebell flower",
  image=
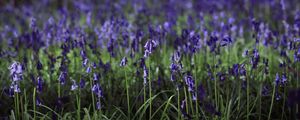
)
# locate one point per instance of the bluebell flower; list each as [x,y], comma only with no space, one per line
[235,70]
[297,55]
[62,78]
[226,41]
[283,79]
[98,105]
[95,77]
[176,56]
[242,70]
[97,90]
[82,83]
[39,65]
[245,53]
[88,70]
[266,68]
[277,79]
[38,102]
[123,62]
[16,88]
[74,86]
[145,75]
[33,23]
[94,65]
[16,71]
[255,59]
[39,84]
[149,47]
[212,43]
[221,76]
[189,81]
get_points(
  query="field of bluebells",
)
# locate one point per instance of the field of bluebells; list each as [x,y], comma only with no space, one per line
[159,59]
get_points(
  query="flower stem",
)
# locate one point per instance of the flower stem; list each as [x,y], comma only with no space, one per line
[127,94]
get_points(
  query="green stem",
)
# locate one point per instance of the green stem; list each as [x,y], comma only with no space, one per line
[178,105]
[34,104]
[18,106]
[78,105]
[150,91]
[186,101]
[271,107]
[127,92]
[191,102]
[93,97]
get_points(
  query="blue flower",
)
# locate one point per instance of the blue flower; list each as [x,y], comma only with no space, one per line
[277,79]
[189,81]
[123,62]
[88,69]
[62,78]
[226,41]
[16,71]
[97,90]
[95,77]
[145,75]
[39,84]
[98,105]
[149,47]
[82,83]
[74,86]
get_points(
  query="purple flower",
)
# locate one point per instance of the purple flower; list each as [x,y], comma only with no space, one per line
[176,57]
[62,78]
[255,59]
[242,70]
[189,82]
[283,79]
[226,41]
[145,75]
[212,43]
[82,83]
[297,55]
[16,71]
[221,76]
[245,53]
[98,105]
[74,86]
[149,47]
[38,102]
[39,65]
[33,23]
[85,62]
[235,70]
[15,87]
[39,84]
[97,90]
[88,69]
[123,62]
[277,79]
[95,77]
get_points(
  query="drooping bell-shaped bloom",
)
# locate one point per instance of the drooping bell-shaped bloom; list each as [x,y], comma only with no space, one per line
[149,47]
[74,86]
[189,81]
[39,85]
[88,70]
[123,62]
[16,71]
[82,83]
[62,78]
[226,41]
[145,75]
[97,90]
